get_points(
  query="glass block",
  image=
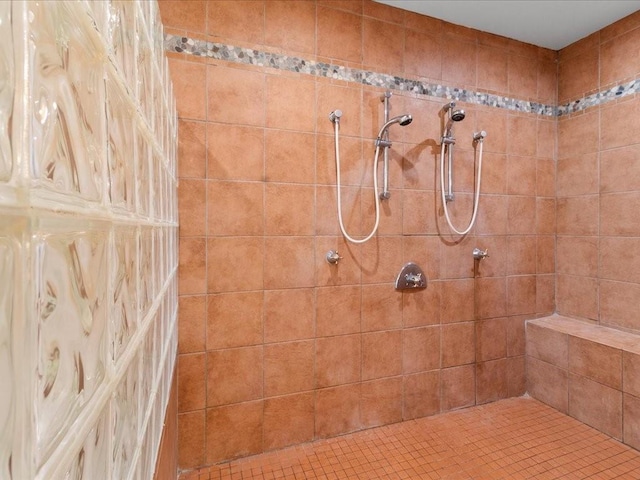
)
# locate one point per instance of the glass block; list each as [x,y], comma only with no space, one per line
[159,257]
[144,75]
[125,417]
[67,103]
[70,301]
[92,461]
[100,13]
[7,79]
[158,181]
[143,174]
[120,149]
[145,275]
[122,38]
[124,289]
[148,372]
[8,390]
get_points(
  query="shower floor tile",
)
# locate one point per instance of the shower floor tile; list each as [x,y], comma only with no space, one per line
[517,438]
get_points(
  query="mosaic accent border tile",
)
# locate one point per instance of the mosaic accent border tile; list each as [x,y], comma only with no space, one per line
[600,98]
[218,51]
[246,56]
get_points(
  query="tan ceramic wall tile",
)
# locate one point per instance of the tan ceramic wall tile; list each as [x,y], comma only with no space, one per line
[381,402]
[288,420]
[337,410]
[548,383]
[605,414]
[234,320]
[234,431]
[596,361]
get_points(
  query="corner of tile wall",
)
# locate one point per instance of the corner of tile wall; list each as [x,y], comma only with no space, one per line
[88,239]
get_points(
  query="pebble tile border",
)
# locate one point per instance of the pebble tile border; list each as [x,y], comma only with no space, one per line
[219,51]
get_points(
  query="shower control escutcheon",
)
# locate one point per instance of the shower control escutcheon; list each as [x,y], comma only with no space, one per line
[411,276]
[479,254]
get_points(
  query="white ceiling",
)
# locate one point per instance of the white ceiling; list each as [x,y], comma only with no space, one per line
[552,24]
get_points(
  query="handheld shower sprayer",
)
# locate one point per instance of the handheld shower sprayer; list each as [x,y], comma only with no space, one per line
[448,141]
[381,141]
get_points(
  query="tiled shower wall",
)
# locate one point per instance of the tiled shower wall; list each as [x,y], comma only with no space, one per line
[278,347]
[598,181]
[88,239]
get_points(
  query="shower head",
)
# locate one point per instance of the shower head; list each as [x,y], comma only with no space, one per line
[454,116]
[457,115]
[402,120]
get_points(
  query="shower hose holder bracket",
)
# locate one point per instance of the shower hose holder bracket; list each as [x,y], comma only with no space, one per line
[411,277]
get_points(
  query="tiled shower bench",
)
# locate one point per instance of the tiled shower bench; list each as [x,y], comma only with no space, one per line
[587,371]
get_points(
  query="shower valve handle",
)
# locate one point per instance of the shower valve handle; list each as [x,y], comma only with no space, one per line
[333,257]
[479,254]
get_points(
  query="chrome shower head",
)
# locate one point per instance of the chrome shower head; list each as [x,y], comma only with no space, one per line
[457,115]
[402,120]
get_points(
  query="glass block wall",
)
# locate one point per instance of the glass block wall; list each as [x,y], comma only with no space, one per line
[88,239]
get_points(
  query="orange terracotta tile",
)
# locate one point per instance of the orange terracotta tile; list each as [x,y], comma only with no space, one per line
[339,34]
[548,384]
[284,95]
[491,339]
[287,262]
[234,375]
[234,431]
[235,152]
[338,310]
[288,420]
[182,15]
[382,52]
[191,382]
[631,421]
[234,320]
[548,345]
[523,80]
[458,345]
[423,54]
[289,209]
[459,62]
[192,149]
[605,414]
[191,440]
[289,314]
[234,264]
[421,395]
[235,95]
[492,69]
[491,381]
[490,297]
[615,62]
[288,368]
[191,323]
[289,156]
[458,387]
[290,25]
[616,301]
[577,296]
[192,207]
[381,402]
[521,295]
[381,354]
[237,20]
[381,308]
[596,361]
[452,309]
[421,306]
[338,360]
[337,410]
[421,349]
[189,86]
[192,271]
